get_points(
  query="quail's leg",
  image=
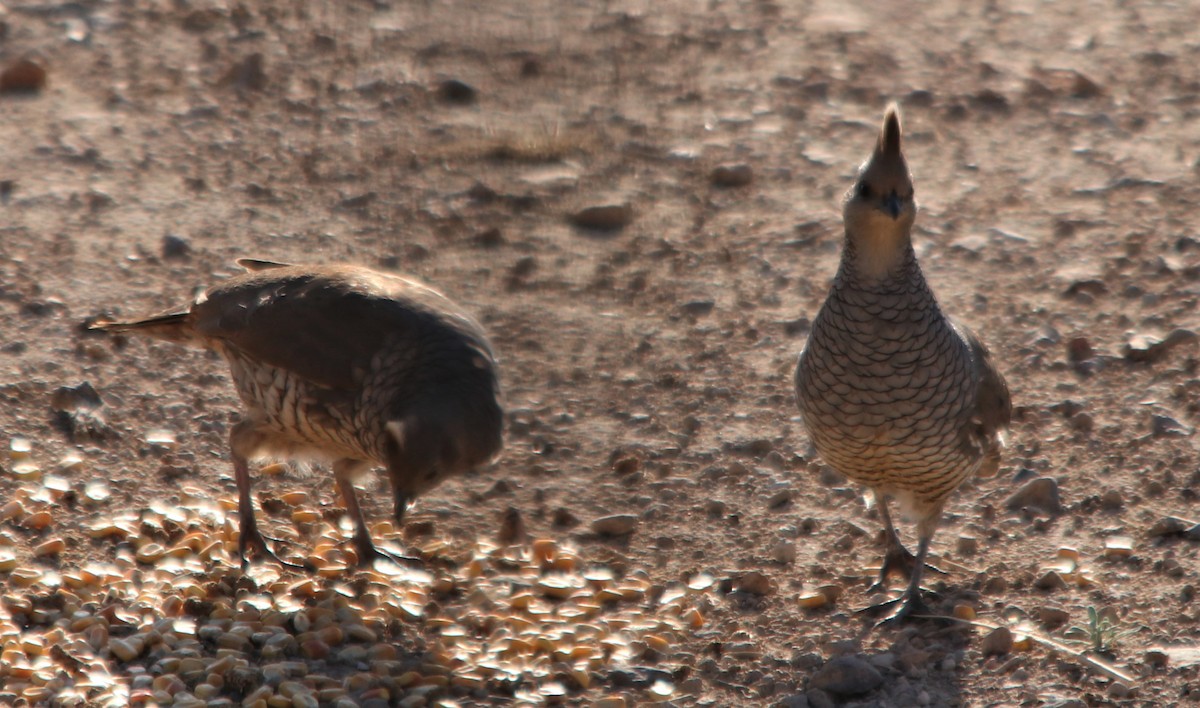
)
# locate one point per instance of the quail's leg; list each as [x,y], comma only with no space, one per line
[400,508]
[244,439]
[897,559]
[344,472]
[248,534]
[910,604]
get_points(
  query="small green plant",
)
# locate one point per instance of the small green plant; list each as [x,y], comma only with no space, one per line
[1102,633]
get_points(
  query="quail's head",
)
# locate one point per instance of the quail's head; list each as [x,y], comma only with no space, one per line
[879,209]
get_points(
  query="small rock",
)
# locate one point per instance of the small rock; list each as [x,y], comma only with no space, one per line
[615,525]
[604,217]
[1156,658]
[97,199]
[249,73]
[520,271]
[697,308]
[563,518]
[78,411]
[457,91]
[1079,350]
[1082,422]
[755,583]
[175,247]
[738,175]
[1146,348]
[967,545]
[1112,500]
[357,201]
[1170,526]
[886,660]
[1050,582]
[1040,494]
[489,238]
[784,552]
[1118,690]
[846,676]
[796,700]
[512,527]
[1087,286]
[1053,617]
[999,641]
[1164,425]
[201,20]
[23,76]
[780,499]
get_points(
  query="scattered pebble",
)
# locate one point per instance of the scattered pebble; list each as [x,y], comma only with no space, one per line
[784,552]
[23,76]
[697,308]
[457,91]
[755,583]
[248,74]
[175,247]
[1052,617]
[615,525]
[967,545]
[846,676]
[1147,348]
[1170,526]
[999,641]
[1040,494]
[738,175]
[604,217]
[1051,581]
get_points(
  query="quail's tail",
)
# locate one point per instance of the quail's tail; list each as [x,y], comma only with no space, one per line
[172,326]
[257,264]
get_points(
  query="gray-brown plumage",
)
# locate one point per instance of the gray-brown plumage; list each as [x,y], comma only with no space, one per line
[895,395]
[349,365]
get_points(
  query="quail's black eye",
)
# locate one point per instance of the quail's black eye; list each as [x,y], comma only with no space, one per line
[864,190]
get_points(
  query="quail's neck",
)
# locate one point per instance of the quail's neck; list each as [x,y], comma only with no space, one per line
[873,260]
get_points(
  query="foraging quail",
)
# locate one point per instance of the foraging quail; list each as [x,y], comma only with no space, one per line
[895,395]
[349,365]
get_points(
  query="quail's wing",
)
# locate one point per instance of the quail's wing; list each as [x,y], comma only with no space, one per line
[324,324]
[994,405]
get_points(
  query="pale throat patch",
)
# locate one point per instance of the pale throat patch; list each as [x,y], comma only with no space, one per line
[881,253]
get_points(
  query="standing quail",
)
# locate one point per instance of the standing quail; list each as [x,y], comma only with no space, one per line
[349,365]
[895,395]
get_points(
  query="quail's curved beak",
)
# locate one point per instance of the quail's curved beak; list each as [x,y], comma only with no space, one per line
[891,204]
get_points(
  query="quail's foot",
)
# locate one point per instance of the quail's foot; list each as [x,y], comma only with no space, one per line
[368,553]
[251,538]
[898,560]
[908,606]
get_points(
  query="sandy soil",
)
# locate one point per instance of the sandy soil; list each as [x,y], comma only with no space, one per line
[647,368]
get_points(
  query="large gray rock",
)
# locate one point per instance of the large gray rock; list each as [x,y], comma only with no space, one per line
[1040,494]
[846,676]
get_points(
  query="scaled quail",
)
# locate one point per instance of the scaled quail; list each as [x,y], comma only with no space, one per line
[345,364]
[895,395]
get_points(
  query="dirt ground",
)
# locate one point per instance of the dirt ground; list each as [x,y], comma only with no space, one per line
[646,367]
